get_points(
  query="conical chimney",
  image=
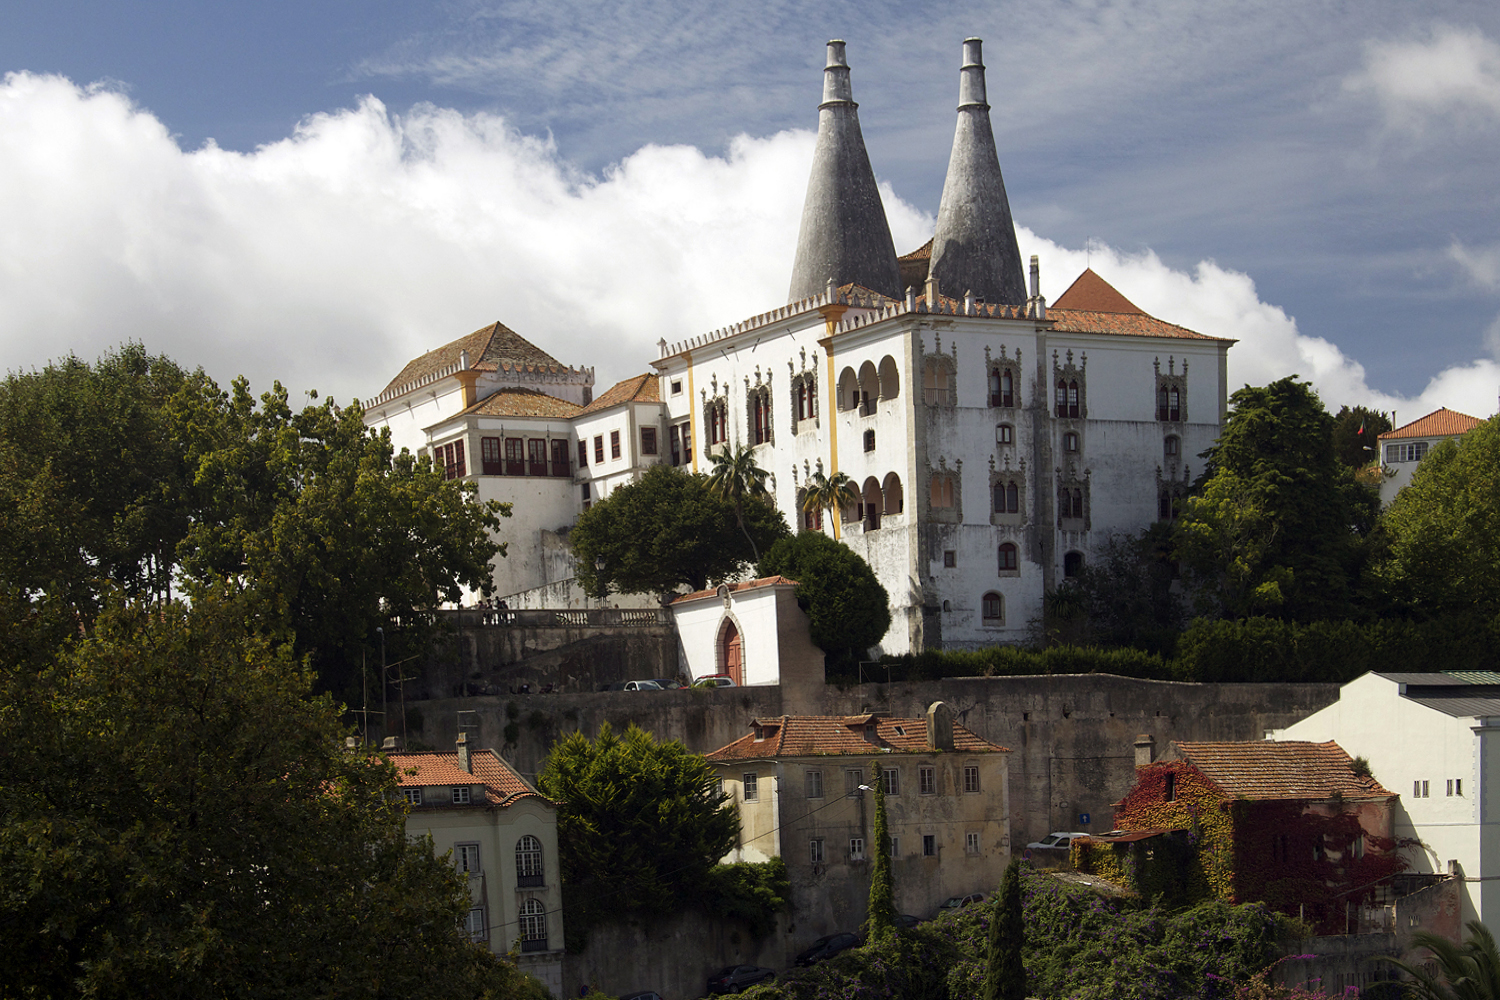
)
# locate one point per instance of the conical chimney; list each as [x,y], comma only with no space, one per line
[974,248]
[844,237]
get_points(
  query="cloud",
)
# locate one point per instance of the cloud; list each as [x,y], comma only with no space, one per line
[1451,72]
[1481,264]
[330,258]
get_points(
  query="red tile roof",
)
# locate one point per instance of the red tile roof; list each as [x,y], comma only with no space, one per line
[765,581]
[1091,293]
[491,348]
[1093,305]
[502,785]
[923,252]
[841,736]
[1438,423]
[518,401]
[1288,769]
[641,389]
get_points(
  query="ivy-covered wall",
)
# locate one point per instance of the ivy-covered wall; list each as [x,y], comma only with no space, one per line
[1301,858]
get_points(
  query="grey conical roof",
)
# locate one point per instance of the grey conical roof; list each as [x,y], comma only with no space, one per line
[974,248]
[844,233]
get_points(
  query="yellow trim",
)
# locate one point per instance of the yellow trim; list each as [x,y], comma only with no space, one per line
[692,409]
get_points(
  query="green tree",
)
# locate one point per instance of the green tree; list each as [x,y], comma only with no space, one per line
[1355,430]
[734,477]
[181,818]
[641,826]
[666,531]
[880,920]
[1442,532]
[1005,976]
[1468,971]
[1278,523]
[848,609]
[1123,597]
[831,493]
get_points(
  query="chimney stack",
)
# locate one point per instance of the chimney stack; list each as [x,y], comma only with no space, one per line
[463,753]
[939,727]
[392,744]
[1145,749]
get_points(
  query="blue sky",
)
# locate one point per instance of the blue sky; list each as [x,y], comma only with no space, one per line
[317,191]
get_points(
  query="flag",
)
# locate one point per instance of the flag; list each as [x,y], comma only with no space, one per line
[1361,426]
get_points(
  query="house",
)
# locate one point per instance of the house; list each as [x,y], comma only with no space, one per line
[800,782]
[755,633]
[997,442]
[1403,448]
[1296,825]
[1437,734]
[502,834]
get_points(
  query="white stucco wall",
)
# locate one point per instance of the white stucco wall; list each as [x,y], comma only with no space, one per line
[700,624]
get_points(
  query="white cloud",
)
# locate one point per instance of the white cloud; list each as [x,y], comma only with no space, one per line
[330,258]
[1450,71]
[1481,264]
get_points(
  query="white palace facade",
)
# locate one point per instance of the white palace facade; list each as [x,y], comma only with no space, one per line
[998,441]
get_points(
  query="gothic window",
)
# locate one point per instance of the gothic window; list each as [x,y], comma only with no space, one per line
[1171,392]
[1002,386]
[716,417]
[1070,388]
[1164,511]
[760,414]
[942,492]
[1009,558]
[1072,504]
[804,397]
[992,609]
[1007,495]
[938,376]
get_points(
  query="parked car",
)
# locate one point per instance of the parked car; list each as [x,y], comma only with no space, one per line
[714,681]
[733,978]
[669,683]
[1055,841]
[959,902]
[641,686]
[906,921]
[642,995]
[826,947]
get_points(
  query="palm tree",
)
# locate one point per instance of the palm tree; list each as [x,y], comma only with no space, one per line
[736,476]
[1470,971]
[830,493]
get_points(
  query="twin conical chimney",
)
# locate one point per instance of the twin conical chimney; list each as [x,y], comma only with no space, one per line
[844,237]
[974,248]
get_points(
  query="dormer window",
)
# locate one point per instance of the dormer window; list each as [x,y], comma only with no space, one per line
[460,795]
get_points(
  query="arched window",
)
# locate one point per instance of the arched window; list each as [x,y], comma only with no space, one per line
[891,491]
[529,862]
[732,649]
[1009,557]
[992,609]
[1007,497]
[890,379]
[1073,565]
[848,390]
[533,926]
[1005,434]
[1070,442]
[1171,446]
[872,503]
[869,388]
[1164,505]
[718,423]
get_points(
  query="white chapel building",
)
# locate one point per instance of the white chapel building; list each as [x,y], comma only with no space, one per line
[998,441]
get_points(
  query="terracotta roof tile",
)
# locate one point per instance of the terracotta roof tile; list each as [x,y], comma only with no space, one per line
[1091,293]
[1438,423]
[640,389]
[923,252]
[841,736]
[502,785]
[1289,769]
[765,581]
[1093,305]
[518,401]
[490,348]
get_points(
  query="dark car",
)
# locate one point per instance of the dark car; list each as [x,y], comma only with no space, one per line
[826,947]
[670,683]
[642,995]
[906,921]
[734,978]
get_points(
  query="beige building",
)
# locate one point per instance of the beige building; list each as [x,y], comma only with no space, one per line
[1403,448]
[797,781]
[502,834]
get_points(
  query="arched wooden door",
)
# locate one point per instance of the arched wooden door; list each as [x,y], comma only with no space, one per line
[733,654]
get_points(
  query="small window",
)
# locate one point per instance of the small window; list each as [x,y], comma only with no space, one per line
[475,925]
[814,784]
[971,843]
[413,796]
[895,846]
[815,851]
[587,492]
[853,778]
[1073,565]
[614,444]
[992,609]
[869,440]
[598,448]
[929,845]
[1458,786]
[950,559]
[752,786]
[466,858]
[1070,442]
[460,795]
[1005,434]
[583,454]
[1169,793]
[677,387]
[1009,557]
[1171,446]
[971,779]
[927,780]
[856,848]
[890,777]
[648,440]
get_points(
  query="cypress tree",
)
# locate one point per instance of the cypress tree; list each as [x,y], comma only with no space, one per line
[880,922]
[1006,976]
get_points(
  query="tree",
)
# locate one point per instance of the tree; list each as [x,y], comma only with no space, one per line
[668,530]
[181,818]
[880,920]
[831,493]
[734,477]
[640,827]
[848,609]
[1355,431]
[1468,971]
[1124,597]
[1279,521]
[1442,532]
[1005,976]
